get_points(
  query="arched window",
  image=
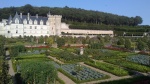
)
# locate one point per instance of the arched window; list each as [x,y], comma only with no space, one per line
[41,22]
[30,22]
[47,23]
[24,21]
[17,21]
[35,22]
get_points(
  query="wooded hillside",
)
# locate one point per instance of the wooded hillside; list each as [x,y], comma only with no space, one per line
[74,15]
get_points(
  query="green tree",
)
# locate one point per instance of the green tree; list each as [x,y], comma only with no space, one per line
[138,20]
[95,46]
[141,45]
[14,50]
[50,40]
[120,41]
[21,48]
[127,44]
[2,43]
[148,44]
[107,38]
[60,42]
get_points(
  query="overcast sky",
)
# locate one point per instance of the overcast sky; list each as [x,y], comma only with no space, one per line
[129,8]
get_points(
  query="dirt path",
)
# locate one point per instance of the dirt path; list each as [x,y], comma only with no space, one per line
[65,78]
[56,60]
[11,71]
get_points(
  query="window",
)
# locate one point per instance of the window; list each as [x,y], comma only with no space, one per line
[35,22]
[35,27]
[30,22]
[25,21]
[41,22]
[47,23]
[30,27]
[16,31]
[8,31]
[17,21]
[16,26]
[47,32]
[41,27]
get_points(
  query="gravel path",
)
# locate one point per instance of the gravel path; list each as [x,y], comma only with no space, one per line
[65,78]
[11,71]
[56,60]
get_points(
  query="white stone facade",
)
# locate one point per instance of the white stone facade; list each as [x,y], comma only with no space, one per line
[27,25]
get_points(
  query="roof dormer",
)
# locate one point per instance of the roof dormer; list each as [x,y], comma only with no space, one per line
[30,21]
[17,21]
[24,21]
[35,22]
[41,22]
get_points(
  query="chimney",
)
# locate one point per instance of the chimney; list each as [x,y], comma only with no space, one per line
[28,16]
[36,15]
[21,15]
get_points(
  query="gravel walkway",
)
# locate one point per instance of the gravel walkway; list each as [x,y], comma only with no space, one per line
[65,78]
[56,60]
[11,71]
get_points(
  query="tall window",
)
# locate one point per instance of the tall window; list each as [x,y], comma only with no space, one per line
[25,21]
[30,22]
[17,21]
[8,31]
[41,22]
[47,23]
[16,26]
[30,27]
[35,27]
[16,31]
[35,22]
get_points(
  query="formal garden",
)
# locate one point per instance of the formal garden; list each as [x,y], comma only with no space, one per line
[32,64]
[35,67]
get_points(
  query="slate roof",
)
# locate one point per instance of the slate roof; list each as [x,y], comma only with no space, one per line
[33,18]
[9,19]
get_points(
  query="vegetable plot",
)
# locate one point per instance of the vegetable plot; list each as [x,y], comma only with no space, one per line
[116,70]
[141,59]
[79,73]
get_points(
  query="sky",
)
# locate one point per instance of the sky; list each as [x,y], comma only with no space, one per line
[130,8]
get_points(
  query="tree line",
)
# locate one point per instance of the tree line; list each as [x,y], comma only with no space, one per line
[74,15]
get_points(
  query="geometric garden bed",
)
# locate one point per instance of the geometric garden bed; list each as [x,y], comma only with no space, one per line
[80,73]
